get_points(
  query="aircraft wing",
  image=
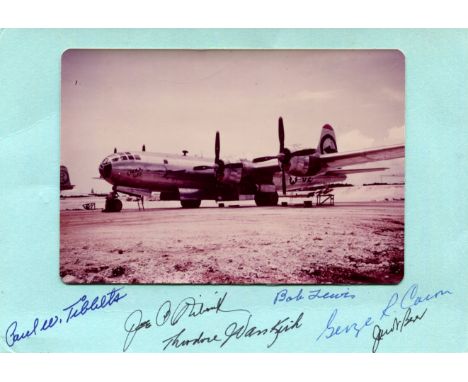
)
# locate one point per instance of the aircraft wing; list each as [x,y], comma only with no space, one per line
[262,173]
[133,191]
[363,156]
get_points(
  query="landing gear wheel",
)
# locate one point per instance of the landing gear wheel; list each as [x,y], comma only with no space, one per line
[190,203]
[113,205]
[263,199]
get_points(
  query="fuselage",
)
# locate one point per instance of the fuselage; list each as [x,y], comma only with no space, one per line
[157,171]
[162,172]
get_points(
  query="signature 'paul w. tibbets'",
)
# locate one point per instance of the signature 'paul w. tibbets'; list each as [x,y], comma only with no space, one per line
[80,307]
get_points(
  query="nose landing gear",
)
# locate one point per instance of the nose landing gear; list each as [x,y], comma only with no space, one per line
[113,203]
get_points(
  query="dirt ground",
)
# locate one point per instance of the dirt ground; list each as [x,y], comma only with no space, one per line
[349,243]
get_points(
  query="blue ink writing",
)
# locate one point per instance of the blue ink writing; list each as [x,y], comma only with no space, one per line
[79,308]
[83,306]
[410,299]
[333,329]
[316,294]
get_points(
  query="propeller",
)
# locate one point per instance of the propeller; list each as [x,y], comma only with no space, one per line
[219,165]
[284,156]
[115,150]
[304,152]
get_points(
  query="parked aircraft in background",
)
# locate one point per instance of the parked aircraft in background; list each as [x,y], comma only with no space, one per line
[65,179]
[191,179]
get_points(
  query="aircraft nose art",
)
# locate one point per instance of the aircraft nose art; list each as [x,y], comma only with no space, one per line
[105,168]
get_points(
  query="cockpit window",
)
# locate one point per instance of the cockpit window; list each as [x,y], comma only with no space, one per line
[126,152]
[130,157]
[115,159]
[137,157]
[123,157]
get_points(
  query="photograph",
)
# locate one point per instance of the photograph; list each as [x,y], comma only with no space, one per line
[239,167]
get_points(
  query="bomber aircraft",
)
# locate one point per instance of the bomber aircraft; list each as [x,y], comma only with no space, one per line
[192,179]
[65,179]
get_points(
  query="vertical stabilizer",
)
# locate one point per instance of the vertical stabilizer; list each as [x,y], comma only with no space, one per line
[327,143]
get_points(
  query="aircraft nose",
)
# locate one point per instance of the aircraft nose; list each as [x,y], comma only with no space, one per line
[105,168]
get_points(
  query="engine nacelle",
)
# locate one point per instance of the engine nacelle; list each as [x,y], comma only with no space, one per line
[231,175]
[305,165]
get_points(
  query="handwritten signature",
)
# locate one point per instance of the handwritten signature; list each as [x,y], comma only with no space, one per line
[237,331]
[411,298]
[80,307]
[284,295]
[190,308]
[378,333]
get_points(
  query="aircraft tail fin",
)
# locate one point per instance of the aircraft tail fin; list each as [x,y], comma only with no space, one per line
[65,179]
[327,143]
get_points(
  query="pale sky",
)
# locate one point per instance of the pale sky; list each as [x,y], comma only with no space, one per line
[172,100]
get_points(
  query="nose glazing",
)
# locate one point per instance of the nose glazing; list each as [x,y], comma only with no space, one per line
[105,168]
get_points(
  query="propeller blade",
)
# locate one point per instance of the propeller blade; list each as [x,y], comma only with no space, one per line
[234,165]
[281,134]
[201,168]
[283,180]
[264,159]
[284,154]
[303,152]
[115,150]
[217,147]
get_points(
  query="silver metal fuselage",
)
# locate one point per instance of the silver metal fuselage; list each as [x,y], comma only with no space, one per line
[157,171]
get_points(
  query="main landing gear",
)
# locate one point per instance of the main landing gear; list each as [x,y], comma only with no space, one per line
[263,199]
[113,203]
[190,203]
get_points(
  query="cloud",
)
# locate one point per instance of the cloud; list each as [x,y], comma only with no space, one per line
[393,95]
[354,140]
[395,135]
[308,95]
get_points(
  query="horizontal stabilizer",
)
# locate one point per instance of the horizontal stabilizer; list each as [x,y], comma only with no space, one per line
[343,171]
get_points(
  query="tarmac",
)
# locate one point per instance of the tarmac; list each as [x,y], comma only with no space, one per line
[349,243]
